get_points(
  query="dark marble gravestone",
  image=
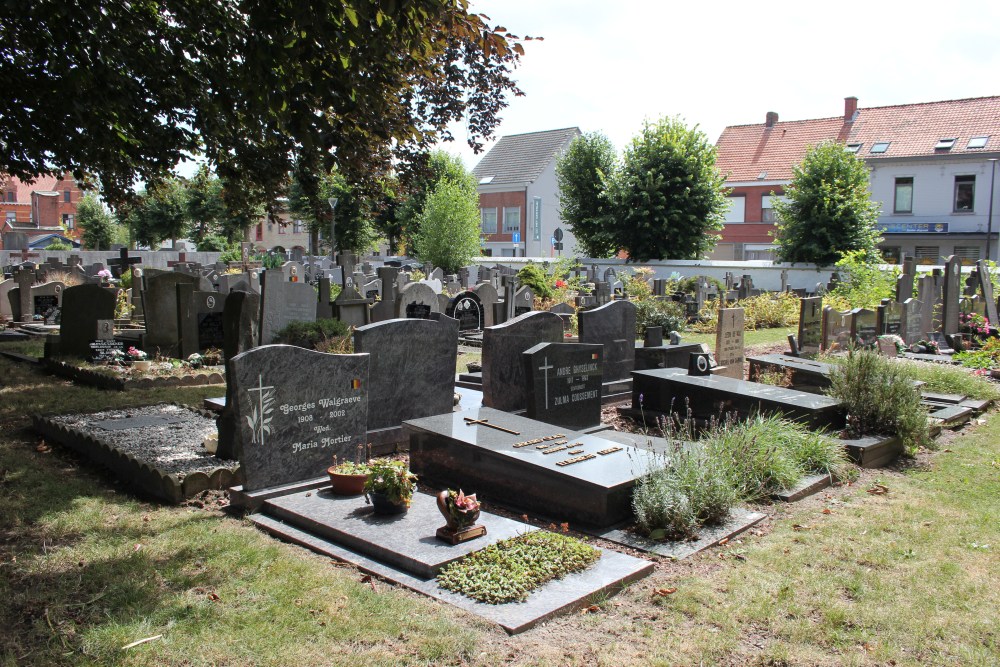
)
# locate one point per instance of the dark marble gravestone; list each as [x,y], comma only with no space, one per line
[284,302]
[802,372]
[412,370]
[504,383]
[295,409]
[950,295]
[199,320]
[513,469]
[83,306]
[467,309]
[864,327]
[159,304]
[890,319]
[673,390]
[564,384]
[613,326]
[836,330]
[810,325]
[524,300]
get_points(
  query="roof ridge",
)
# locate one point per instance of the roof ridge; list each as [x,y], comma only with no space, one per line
[918,104]
[560,129]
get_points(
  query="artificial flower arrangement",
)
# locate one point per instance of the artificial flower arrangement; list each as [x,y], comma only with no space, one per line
[392,480]
[463,510]
[135,354]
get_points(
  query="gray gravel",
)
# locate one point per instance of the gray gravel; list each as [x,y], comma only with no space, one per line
[172,443]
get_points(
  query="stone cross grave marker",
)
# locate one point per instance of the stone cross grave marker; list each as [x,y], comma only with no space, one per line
[122,263]
[564,384]
[810,324]
[296,409]
[729,350]
[23,254]
[24,279]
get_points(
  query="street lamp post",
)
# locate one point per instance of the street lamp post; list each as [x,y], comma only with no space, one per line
[332,201]
[989,217]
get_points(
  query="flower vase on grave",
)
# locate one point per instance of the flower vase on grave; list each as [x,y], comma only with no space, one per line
[461,512]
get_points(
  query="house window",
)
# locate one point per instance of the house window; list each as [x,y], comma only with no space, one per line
[11,196]
[511,219]
[11,217]
[68,221]
[965,193]
[67,196]
[489,220]
[260,232]
[737,209]
[879,147]
[967,254]
[945,143]
[296,226]
[903,202]
[281,228]
[926,254]
[765,254]
[767,213]
[852,148]
[978,142]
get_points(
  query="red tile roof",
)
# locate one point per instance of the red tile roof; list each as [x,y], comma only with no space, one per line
[24,190]
[912,130]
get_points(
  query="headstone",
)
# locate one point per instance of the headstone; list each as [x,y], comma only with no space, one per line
[83,307]
[386,308]
[240,323]
[952,292]
[283,303]
[904,283]
[729,352]
[864,327]
[412,370]
[199,320]
[296,409]
[699,364]
[887,348]
[524,300]
[810,325]
[20,296]
[837,336]
[911,321]
[653,337]
[351,308]
[103,347]
[504,382]
[930,299]
[566,312]
[564,384]
[159,306]
[890,319]
[416,300]
[468,310]
[5,310]
[46,300]
[986,289]
[613,326]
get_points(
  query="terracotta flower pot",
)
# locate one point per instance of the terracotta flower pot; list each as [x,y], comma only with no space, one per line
[346,485]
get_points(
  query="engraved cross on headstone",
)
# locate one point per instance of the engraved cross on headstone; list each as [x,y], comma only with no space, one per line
[546,367]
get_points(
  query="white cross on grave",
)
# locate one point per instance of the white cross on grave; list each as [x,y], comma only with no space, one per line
[546,366]
[260,389]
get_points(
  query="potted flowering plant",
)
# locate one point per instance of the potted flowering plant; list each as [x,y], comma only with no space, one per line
[348,478]
[459,510]
[974,324]
[137,358]
[195,360]
[389,487]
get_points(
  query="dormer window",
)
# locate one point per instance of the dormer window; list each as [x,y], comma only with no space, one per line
[945,143]
[852,148]
[978,142]
[880,147]
[486,180]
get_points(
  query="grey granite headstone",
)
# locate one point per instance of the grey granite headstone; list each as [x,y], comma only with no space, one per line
[417,300]
[296,409]
[412,368]
[566,312]
[489,297]
[911,321]
[83,307]
[930,299]
[864,327]
[613,326]
[837,335]
[351,307]
[524,300]
[986,289]
[282,303]
[890,319]
[652,337]
[952,291]
[504,383]
[810,325]
[5,310]
[564,384]
[159,304]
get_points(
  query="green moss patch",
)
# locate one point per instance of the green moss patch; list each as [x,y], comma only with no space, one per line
[510,569]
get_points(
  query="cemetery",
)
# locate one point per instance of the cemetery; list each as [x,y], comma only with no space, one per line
[599,423]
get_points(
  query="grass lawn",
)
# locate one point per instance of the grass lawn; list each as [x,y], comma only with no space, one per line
[907,577]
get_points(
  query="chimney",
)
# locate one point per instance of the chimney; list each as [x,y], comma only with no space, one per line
[850,108]
[771,119]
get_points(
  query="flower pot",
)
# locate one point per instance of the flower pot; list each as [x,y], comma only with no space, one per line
[346,485]
[455,520]
[142,366]
[382,505]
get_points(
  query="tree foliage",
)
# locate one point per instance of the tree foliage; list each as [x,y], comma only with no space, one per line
[160,213]
[667,197]
[829,211]
[96,222]
[428,171]
[253,87]
[583,172]
[449,224]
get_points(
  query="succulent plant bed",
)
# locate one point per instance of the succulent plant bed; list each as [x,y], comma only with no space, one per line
[123,378]
[157,449]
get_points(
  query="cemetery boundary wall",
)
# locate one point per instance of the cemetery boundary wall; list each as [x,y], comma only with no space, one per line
[151,259]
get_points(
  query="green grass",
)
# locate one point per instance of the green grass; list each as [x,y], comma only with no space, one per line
[844,578]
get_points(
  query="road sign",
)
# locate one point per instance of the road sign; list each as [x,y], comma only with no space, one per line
[516,237]
[553,241]
[558,234]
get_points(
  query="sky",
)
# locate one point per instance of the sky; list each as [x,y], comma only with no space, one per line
[608,66]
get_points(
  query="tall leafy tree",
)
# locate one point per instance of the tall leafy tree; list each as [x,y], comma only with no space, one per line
[428,172]
[668,198]
[829,211]
[583,172]
[449,223]
[96,222]
[254,87]
[160,213]
[203,203]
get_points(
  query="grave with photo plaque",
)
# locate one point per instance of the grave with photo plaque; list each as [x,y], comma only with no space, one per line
[199,320]
[528,465]
[295,409]
[890,318]
[468,310]
[864,327]
[564,384]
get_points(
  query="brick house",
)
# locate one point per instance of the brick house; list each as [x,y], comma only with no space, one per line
[519,195]
[47,206]
[931,170]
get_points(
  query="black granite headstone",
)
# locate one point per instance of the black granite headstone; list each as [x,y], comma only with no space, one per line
[504,383]
[83,306]
[468,310]
[613,326]
[564,384]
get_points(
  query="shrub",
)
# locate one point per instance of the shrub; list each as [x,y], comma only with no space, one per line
[880,398]
[535,277]
[864,283]
[690,285]
[986,357]
[637,285]
[767,311]
[659,313]
[312,335]
[677,496]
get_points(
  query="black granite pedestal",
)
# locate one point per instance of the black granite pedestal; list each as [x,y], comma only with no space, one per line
[584,478]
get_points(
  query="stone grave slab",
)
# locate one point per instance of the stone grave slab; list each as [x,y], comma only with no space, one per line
[739,520]
[873,451]
[672,389]
[610,573]
[564,384]
[667,356]
[810,484]
[803,371]
[595,489]
[294,409]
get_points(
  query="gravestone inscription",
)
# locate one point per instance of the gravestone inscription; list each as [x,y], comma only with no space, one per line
[729,351]
[468,310]
[810,324]
[564,384]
